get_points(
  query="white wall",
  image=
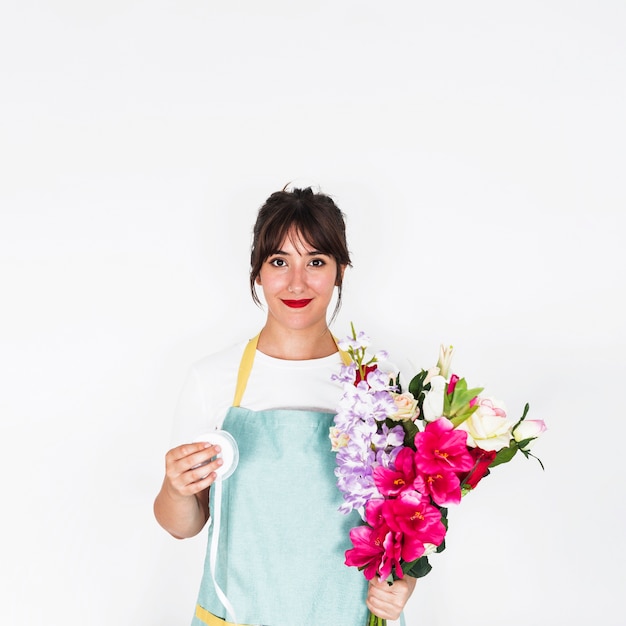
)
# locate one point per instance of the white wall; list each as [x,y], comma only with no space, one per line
[478,151]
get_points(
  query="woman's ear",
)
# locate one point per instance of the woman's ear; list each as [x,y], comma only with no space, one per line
[257,280]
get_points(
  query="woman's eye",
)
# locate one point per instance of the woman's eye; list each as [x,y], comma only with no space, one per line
[278,262]
[318,262]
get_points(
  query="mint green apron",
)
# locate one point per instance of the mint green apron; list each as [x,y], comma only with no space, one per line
[282,543]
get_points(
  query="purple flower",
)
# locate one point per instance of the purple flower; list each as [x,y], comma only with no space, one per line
[388,437]
[346,375]
[378,380]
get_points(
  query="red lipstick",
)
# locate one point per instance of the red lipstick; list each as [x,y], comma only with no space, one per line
[297,304]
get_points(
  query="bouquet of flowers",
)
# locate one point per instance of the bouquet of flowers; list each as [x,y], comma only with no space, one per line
[404,457]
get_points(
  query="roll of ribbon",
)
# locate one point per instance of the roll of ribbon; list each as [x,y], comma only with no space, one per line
[229,451]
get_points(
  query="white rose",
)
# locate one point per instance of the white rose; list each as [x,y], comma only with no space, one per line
[406,407]
[433,400]
[529,429]
[488,427]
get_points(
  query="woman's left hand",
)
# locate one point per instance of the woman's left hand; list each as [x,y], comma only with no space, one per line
[388,601]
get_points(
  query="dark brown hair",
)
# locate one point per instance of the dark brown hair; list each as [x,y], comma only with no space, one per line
[314,217]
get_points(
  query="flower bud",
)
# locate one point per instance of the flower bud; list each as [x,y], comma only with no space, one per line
[529,429]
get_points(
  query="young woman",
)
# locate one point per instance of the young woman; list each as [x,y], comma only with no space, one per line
[282,541]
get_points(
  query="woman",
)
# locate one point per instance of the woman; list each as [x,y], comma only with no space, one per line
[281,547]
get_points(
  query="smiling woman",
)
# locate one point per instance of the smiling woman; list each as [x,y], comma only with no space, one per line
[279,557]
[306,220]
[298,283]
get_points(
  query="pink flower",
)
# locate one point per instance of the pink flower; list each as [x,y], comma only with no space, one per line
[417,519]
[368,549]
[454,379]
[393,482]
[393,555]
[440,448]
[395,532]
[443,487]
[376,550]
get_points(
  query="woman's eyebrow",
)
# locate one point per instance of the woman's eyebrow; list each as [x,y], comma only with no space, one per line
[306,253]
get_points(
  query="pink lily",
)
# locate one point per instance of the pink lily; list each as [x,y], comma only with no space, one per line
[393,482]
[417,519]
[441,448]
[443,487]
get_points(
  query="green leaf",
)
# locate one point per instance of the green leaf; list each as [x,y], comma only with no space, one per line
[505,455]
[524,443]
[521,419]
[410,430]
[444,516]
[417,568]
[463,415]
[444,520]
[460,398]
[416,386]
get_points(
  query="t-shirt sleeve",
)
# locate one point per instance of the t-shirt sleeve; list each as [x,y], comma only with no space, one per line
[206,395]
[191,418]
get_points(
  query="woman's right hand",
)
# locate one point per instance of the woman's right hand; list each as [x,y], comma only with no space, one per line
[189,468]
[182,504]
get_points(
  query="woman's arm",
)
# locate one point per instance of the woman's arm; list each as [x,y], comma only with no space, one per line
[182,505]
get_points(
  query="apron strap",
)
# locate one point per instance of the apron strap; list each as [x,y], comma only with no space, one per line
[245,368]
[247,359]
[345,357]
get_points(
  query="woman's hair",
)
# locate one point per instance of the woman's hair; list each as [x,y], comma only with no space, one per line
[314,217]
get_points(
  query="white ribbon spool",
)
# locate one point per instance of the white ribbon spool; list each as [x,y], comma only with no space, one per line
[229,454]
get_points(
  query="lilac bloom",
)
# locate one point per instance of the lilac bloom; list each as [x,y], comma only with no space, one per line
[382,405]
[389,437]
[347,374]
[362,341]
[387,459]
[378,380]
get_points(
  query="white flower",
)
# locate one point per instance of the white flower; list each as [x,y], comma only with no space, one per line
[488,427]
[529,429]
[433,400]
[429,548]
[445,360]
[406,407]
[431,373]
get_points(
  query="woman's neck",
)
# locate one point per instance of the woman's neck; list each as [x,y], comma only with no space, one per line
[296,345]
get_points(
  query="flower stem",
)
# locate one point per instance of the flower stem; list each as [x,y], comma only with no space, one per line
[374,620]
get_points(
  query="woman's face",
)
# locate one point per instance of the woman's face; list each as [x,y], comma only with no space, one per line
[298,283]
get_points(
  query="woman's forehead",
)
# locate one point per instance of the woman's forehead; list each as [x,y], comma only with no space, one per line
[296,239]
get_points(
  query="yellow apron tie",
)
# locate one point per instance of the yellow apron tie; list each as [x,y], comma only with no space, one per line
[211,620]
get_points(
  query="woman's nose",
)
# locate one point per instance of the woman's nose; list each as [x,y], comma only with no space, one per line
[296,282]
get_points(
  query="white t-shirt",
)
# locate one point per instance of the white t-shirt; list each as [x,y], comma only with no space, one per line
[273,384]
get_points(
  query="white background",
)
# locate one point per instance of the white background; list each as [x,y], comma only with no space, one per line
[477,149]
